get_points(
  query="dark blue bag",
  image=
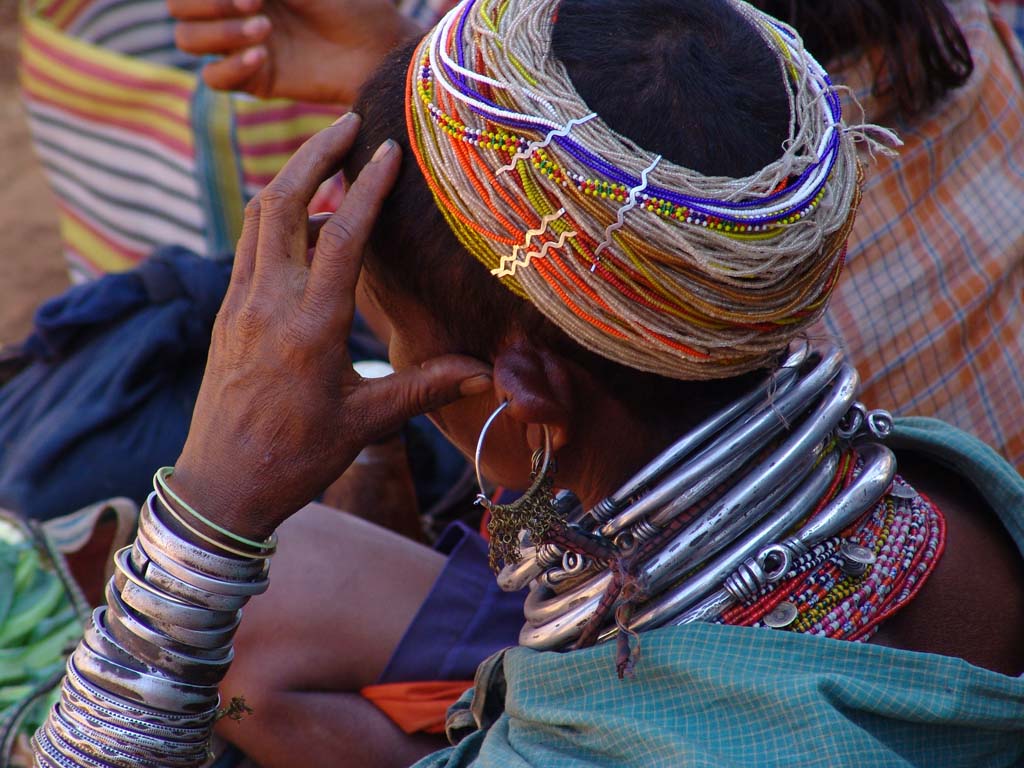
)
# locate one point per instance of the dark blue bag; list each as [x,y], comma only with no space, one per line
[114,367]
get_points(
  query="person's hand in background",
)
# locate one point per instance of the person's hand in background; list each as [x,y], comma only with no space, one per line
[310,50]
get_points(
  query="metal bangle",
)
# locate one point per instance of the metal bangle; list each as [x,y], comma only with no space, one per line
[105,699]
[157,605]
[73,701]
[86,739]
[166,753]
[248,554]
[48,755]
[68,751]
[185,666]
[154,531]
[165,581]
[208,639]
[220,588]
[108,648]
[100,650]
[156,691]
[83,695]
[199,641]
[161,487]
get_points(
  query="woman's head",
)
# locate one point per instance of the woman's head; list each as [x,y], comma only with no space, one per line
[690,80]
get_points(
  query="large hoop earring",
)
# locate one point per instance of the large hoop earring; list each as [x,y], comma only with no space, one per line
[533,512]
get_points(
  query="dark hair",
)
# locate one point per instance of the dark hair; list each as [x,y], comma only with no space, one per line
[688,79]
[924,53]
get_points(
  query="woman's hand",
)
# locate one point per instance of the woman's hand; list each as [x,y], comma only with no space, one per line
[313,50]
[281,413]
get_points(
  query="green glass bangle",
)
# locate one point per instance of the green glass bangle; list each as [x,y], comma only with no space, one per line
[160,484]
[167,507]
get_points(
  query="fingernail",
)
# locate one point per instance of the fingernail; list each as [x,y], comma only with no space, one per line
[256,26]
[254,56]
[247,6]
[383,150]
[476,385]
[345,118]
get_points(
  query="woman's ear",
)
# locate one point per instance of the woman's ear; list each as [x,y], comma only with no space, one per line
[538,385]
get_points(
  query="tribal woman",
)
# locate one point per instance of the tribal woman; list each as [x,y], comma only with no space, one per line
[609,228]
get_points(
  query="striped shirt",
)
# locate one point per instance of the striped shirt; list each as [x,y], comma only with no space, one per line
[138,151]
[931,307]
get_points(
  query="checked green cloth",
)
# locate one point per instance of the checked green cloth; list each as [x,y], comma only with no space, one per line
[724,697]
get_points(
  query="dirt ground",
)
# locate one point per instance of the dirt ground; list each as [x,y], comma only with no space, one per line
[31,265]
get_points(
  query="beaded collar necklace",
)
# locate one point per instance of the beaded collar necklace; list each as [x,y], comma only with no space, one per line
[782,510]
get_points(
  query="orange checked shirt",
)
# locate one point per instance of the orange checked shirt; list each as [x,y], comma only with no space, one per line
[931,307]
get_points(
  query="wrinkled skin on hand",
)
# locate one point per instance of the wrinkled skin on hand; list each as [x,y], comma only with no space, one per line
[311,50]
[281,413]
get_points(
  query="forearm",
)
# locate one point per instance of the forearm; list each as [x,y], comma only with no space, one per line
[143,682]
[328,729]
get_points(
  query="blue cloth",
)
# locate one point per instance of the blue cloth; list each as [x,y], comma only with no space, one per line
[115,369]
[108,396]
[464,619]
[713,696]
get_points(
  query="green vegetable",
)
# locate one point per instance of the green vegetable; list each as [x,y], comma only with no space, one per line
[31,606]
[38,625]
[27,568]
[51,624]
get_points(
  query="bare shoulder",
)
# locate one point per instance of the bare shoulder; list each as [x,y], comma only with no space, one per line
[972,606]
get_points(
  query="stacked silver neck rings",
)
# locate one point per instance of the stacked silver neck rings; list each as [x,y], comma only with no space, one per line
[141,687]
[746,535]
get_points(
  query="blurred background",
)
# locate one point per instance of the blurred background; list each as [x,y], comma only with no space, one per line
[33,268]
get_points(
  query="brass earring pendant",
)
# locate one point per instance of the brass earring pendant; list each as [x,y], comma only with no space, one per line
[533,512]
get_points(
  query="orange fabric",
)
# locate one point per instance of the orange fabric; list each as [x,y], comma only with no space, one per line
[417,707]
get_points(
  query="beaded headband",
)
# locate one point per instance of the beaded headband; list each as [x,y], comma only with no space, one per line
[642,261]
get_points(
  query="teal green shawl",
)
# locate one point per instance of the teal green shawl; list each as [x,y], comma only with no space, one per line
[718,696]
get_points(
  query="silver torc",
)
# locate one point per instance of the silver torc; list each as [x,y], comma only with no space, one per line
[746,538]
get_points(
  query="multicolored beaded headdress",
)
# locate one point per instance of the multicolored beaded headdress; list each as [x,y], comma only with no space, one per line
[644,262]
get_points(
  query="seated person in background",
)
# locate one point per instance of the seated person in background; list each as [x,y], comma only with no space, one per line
[932,304]
[610,227]
[930,309]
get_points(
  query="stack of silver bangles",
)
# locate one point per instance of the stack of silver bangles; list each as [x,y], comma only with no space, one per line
[141,688]
[746,538]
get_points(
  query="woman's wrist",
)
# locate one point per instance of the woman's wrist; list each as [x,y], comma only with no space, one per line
[219,502]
